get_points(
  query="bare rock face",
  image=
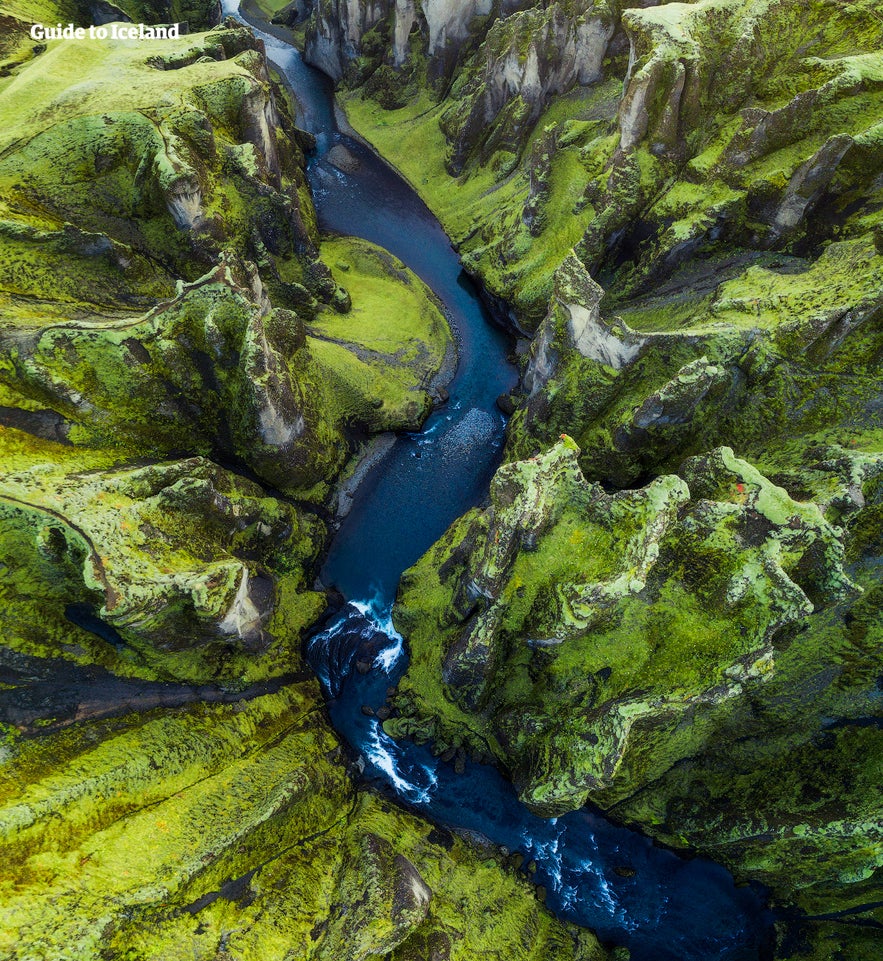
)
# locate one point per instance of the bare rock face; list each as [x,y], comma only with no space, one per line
[351,39]
[336,31]
[574,322]
[526,59]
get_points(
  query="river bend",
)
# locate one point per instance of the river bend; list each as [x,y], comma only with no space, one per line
[597,874]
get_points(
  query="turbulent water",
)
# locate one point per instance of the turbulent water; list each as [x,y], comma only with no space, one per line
[615,881]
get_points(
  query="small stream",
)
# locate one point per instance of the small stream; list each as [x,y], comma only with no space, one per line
[613,880]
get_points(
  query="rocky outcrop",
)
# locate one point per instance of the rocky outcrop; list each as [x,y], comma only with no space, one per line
[336,33]
[656,137]
[728,370]
[204,162]
[574,323]
[532,628]
[174,556]
[688,68]
[353,40]
[210,371]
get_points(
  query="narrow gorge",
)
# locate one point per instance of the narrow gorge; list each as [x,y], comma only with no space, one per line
[363,596]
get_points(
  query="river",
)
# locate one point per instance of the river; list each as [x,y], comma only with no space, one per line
[630,891]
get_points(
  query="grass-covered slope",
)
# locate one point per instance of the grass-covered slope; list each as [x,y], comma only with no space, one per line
[654,136]
[132,164]
[159,259]
[201,574]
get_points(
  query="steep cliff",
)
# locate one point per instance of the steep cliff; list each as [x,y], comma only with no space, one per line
[700,657]
[646,138]
[388,44]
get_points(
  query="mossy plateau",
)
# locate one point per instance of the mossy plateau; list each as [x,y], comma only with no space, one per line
[111,192]
[217,371]
[234,831]
[160,265]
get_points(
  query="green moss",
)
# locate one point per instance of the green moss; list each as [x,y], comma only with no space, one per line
[482,208]
[634,210]
[756,384]
[109,194]
[714,672]
[410,138]
[628,612]
[213,809]
[233,829]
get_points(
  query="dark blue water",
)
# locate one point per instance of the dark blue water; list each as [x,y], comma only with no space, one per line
[429,479]
[615,881]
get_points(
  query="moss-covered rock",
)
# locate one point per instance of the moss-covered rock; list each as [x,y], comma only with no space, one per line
[697,657]
[662,134]
[112,192]
[690,231]
[217,370]
[779,356]
[171,786]
[201,574]
[583,626]
[190,191]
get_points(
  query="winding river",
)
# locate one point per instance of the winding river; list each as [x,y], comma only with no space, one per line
[613,880]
